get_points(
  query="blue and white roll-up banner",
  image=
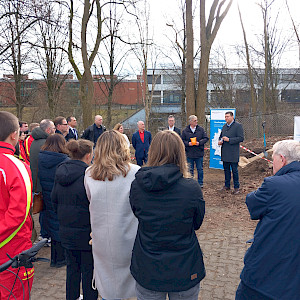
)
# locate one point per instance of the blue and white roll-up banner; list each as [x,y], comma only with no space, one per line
[297,128]
[217,120]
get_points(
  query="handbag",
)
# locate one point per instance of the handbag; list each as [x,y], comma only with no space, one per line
[38,202]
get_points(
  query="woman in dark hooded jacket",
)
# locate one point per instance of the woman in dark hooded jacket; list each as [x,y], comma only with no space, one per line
[72,207]
[169,206]
[52,153]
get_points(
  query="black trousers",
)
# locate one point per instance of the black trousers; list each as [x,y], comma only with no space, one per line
[80,266]
[58,257]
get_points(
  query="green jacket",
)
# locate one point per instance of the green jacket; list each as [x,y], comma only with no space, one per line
[40,137]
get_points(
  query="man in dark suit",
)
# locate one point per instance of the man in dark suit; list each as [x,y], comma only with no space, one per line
[171,122]
[73,133]
[230,138]
[141,141]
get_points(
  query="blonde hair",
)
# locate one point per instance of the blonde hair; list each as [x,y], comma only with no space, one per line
[112,156]
[117,126]
[168,148]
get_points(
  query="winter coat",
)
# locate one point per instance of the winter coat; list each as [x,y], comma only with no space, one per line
[71,135]
[230,151]
[114,229]
[177,130]
[40,137]
[194,151]
[15,202]
[71,205]
[48,161]
[89,134]
[166,256]
[141,149]
[272,263]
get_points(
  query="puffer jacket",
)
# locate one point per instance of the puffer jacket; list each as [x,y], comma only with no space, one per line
[166,254]
[48,161]
[71,205]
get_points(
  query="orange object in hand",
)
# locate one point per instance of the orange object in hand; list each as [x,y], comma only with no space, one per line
[194,141]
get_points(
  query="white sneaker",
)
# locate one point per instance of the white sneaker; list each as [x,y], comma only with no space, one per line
[80,297]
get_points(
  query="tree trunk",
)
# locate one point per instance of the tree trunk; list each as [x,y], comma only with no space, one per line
[208,32]
[183,94]
[202,85]
[86,92]
[190,75]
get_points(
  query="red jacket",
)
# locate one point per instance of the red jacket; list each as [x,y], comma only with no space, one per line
[23,155]
[27,143]
[15,202]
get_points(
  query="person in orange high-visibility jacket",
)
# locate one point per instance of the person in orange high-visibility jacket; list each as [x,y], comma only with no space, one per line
[15,203]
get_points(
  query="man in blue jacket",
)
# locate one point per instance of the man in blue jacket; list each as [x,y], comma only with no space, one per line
[141,141]
[272,263]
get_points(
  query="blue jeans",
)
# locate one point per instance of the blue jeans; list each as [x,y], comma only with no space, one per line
[145,294]
[235,174]
[199,166]
[244,292]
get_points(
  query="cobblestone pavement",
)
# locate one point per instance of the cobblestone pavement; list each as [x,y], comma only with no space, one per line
[223,249]
[222,237]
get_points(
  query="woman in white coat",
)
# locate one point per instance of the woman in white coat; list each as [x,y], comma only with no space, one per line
[114,226]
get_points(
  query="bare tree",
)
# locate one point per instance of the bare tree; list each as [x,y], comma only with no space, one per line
[86,89]
[208,32]
[145,52]
[15,20]
[294,27]
[273,46]
[178,44]
[112,57]
[249,66]
[50,57]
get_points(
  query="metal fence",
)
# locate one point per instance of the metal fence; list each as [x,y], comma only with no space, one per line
[276,124]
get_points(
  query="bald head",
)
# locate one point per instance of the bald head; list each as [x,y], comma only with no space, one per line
[98,120]
[141,126]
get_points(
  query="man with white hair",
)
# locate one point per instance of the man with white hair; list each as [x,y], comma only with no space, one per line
[93,132]
[141,141]
[272,263]
[194,150]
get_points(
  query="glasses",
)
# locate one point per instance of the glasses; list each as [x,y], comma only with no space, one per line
[65,124]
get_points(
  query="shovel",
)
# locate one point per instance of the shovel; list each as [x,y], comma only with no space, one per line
[265,144]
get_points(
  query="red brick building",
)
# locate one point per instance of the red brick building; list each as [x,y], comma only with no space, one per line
[126,92]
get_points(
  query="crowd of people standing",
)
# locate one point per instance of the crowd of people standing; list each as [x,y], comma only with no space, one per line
[128,230]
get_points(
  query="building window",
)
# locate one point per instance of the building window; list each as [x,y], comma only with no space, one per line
[156,80]
[171,79]
[290,95]
[172,97]
[289,78]
[156,97]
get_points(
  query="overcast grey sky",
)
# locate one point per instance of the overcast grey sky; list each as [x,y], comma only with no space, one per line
[230,33]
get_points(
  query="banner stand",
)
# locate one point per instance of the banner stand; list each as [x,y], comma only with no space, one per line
[217,120]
